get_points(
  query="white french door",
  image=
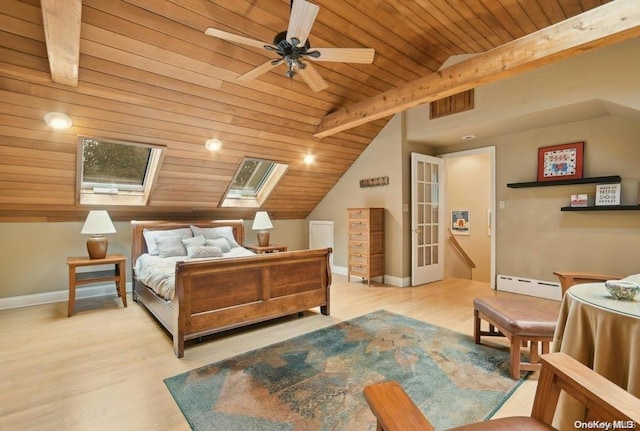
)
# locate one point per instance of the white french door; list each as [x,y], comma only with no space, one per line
[427,219]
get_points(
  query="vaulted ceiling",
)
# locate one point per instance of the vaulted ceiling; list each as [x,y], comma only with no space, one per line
[148,73]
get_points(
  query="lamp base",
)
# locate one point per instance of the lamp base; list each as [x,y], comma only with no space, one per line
[97,246]
[263,238]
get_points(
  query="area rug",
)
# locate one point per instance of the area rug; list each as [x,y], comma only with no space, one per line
[315,381]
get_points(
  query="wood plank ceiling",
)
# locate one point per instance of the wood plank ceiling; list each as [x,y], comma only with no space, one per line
[148,73]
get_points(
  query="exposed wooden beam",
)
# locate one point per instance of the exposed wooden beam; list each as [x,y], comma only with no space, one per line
[62,20]
[613,22]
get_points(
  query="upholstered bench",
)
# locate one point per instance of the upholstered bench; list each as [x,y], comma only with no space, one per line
[523,320]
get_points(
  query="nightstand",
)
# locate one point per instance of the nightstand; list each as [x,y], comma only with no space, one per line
[117,275]
[268,249]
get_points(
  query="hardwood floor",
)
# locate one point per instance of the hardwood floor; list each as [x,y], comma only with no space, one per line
[102,369]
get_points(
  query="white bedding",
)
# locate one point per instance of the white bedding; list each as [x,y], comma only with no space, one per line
[159,272]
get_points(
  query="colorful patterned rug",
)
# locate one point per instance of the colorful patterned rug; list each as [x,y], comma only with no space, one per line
[315,381]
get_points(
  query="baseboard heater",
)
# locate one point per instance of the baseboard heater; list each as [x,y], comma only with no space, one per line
[526,286]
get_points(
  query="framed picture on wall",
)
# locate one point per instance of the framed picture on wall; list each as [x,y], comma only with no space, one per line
[460,222]
[560,162]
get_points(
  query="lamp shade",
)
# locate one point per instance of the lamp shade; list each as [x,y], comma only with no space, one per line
[262,221]
[98,223]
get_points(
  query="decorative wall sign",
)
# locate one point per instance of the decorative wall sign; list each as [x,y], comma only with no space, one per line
[607,194]
[581,200]
[560,162]
[460,222]
[374,182]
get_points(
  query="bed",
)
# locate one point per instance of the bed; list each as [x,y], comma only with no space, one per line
[215,294]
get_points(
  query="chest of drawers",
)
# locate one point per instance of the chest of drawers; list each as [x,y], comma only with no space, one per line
[365,243]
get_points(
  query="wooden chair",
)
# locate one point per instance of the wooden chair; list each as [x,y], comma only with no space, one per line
[568,279]
[604,400]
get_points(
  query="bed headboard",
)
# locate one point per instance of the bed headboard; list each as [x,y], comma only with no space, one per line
[139,246]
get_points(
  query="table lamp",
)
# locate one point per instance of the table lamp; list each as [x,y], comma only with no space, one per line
[262,224]
[97,225]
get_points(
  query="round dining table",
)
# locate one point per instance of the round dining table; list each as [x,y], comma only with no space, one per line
[603,333]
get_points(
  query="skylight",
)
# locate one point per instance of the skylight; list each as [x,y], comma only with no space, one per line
[116,173]
[253,182]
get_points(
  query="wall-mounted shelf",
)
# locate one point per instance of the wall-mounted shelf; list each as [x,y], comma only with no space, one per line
[592,180]
[604,208]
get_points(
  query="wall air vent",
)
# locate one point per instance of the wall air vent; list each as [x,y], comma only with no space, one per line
[452,105]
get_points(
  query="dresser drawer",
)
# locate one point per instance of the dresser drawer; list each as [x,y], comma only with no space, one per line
[358,226]
[358,214]
[361,237]
[359,270]
[359,249]
[357,259]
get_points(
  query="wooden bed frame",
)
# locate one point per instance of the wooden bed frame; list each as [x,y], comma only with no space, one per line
[217,295]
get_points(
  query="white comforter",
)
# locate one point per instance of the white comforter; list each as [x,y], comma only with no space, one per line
[159,272]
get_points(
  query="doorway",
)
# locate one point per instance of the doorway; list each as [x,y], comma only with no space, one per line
[470,190]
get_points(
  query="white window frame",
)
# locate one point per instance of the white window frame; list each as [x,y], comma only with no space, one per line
[264,189]
[92,193]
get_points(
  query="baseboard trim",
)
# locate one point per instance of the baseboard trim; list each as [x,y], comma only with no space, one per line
[57,296]
[108,289]
[387,279]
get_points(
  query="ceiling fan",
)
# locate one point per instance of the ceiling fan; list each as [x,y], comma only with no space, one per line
[294,48]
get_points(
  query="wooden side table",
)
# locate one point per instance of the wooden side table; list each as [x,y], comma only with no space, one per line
[117,275]
[268,249]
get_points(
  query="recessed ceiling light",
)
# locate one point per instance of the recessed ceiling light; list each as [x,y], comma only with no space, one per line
[57,120]
[309,158]
[213,144]
[467,137]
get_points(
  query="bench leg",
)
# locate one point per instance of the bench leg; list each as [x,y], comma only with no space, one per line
[514,355]
[534,357]
[476,326]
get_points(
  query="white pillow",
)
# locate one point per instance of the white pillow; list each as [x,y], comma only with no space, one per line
[196,240]
[150,237]
[634,278]
[204,251]
[215,233]
[168,246]
[220,242]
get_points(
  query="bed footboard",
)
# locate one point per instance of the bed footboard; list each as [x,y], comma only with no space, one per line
[218,295]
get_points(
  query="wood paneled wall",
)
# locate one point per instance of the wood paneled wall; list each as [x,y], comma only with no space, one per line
[148,73]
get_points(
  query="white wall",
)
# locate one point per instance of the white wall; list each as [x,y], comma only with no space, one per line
[383,157]
[533,237]
[33,255]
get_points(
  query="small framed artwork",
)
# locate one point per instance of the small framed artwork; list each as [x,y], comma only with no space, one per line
[460,222]
[560,162]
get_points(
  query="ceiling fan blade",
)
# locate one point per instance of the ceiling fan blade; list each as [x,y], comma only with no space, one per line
[303,14]
[345,55]
[260,70]
[312,78]
[230,37]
